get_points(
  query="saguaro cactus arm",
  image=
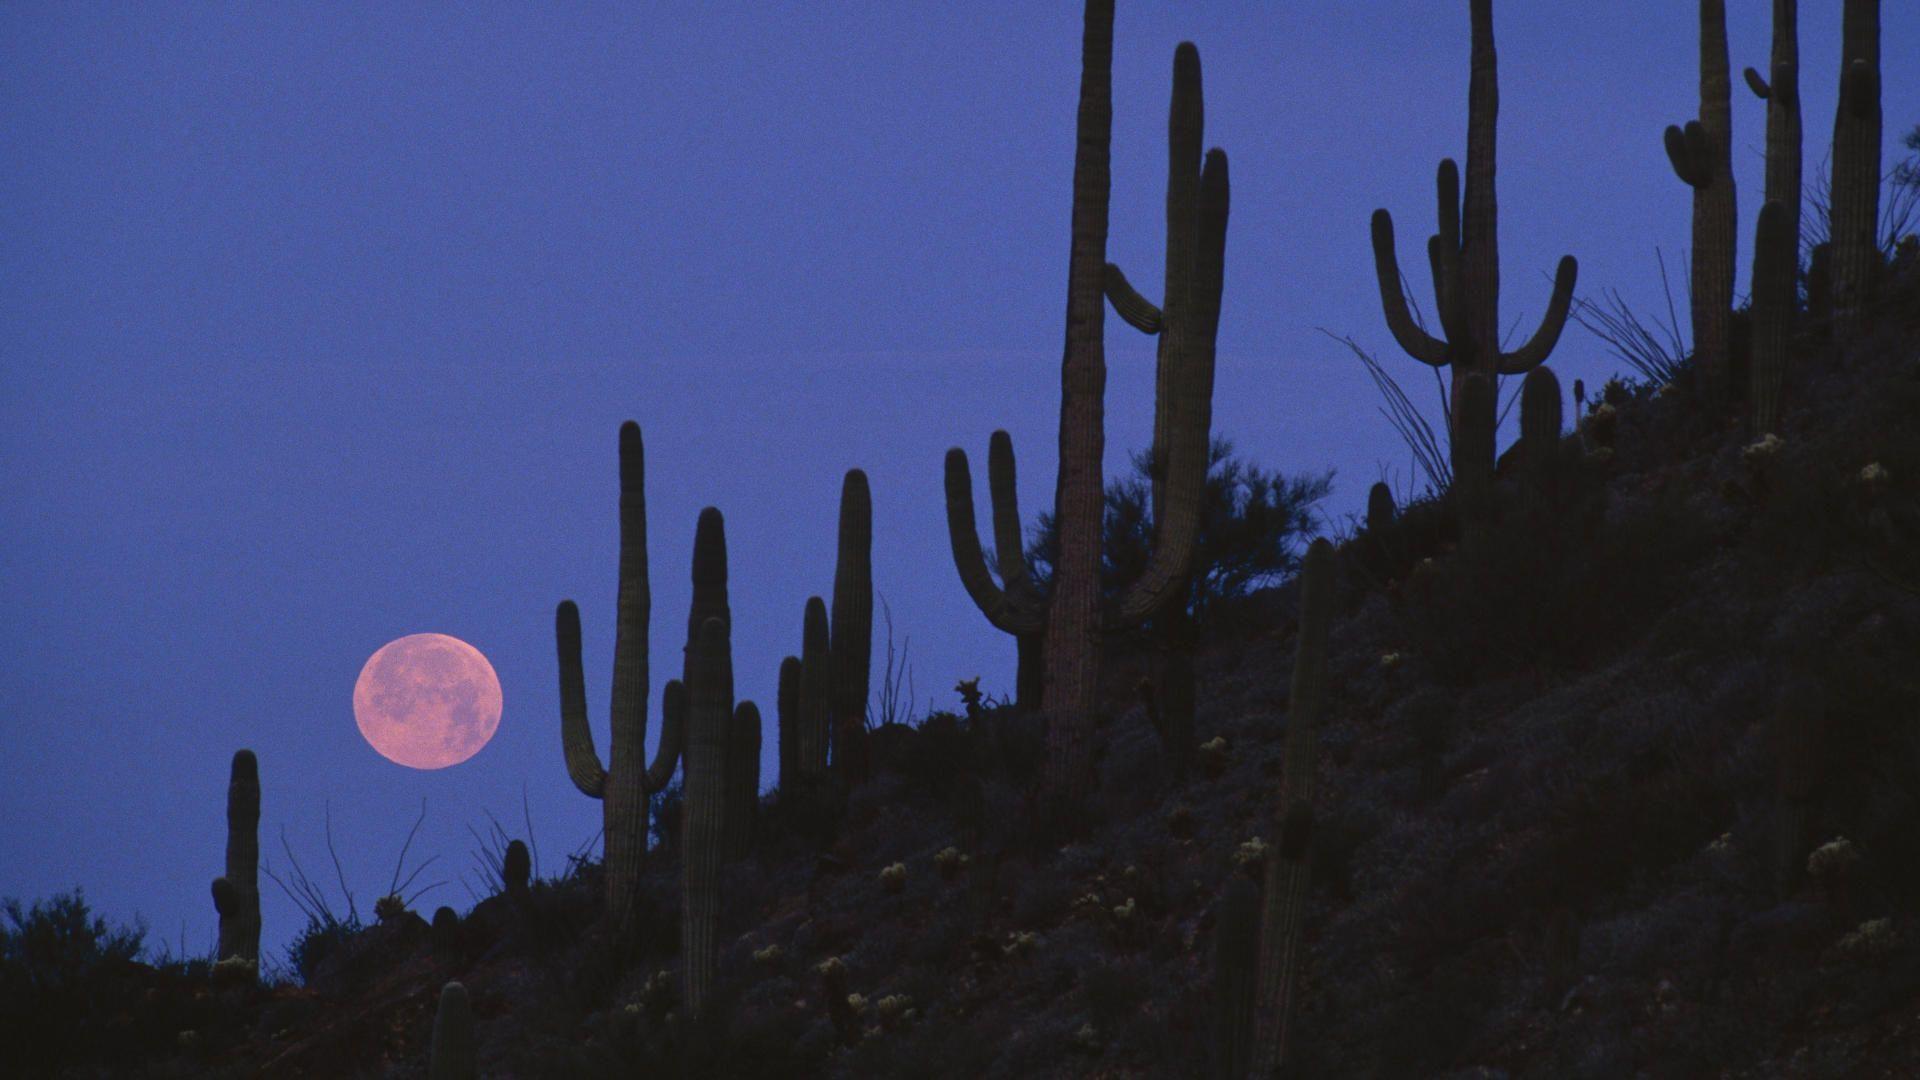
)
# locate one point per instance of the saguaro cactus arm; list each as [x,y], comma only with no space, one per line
[1136,310]
[673,734]
[1187,442]
[576,737]
[1009,547]
[1418,344]
[1547,335]
[1003,609]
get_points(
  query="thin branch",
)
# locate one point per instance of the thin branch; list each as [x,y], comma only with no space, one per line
[394,886]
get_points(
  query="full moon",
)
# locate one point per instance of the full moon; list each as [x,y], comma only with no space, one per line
[427,701]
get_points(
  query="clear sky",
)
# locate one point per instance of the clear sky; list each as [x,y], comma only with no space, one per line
[317,324]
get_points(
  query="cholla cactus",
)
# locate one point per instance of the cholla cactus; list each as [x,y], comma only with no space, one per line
[389,908]
[1832,860]
[1020,943]
[1875,937]
[1762,451]
[770,955]
[951,862]
[1251,856]
[1214,756]
[894,878]
[894,1010]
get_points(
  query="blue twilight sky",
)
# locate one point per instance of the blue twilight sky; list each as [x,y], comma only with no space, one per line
[317,323]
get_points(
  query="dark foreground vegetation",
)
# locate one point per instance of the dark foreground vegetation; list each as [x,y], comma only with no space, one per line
[1599,759]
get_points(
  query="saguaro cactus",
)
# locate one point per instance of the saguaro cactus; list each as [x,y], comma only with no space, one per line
[1797,734]
[1855,205]
[852,630]
[236,894]
[743,779]
[1236,947]
[516,871]
[1540,420]
[1474,413]
[710,690]
[1074,614]
[453,1056]
[1774,245]
[1465,260]
[1283,919]
[1187,323]
[1702,157]
[624,785]
[787,710]
[1782,95]
[816,688]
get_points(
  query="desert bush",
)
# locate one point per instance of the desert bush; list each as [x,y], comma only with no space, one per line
[1254,525]
[65,993]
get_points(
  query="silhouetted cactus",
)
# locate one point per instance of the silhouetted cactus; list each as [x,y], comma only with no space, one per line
[1781,92]
[852,630]
[1702,157]
[787,719]
[1474,415]
[1236,948]
[1797,734]
[1284,913]
[816,689]
[710,693]
[516,870]
[453,1055]
[236,894]
[626,783]
[743,779]
[1074,615]
[1465,260]
[1540,422]
[1855,203]
[1774,245]
[1187,323]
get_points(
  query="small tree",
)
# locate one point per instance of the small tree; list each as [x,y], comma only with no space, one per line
[1253,526]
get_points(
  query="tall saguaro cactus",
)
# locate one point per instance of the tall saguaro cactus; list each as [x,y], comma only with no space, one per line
[743,779]
[852,629]
[1702,157]
[1283,920]
[1855,205]
[710,690]
[236,894]
[624,785]
[1781,91]
[1465,260]
[815,692]
[787,718]
[1774,245]
[1187,323]
[1074,614]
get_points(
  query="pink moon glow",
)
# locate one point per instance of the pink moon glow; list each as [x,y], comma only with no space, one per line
[427,701]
